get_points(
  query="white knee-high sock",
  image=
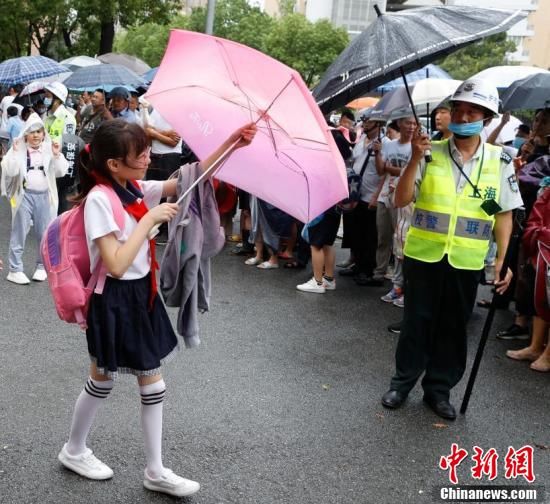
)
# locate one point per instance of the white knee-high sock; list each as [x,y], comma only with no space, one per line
[85,409]
[152,396]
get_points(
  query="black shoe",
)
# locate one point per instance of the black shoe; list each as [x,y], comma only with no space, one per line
[393,399]
[442,408]
[395,328]
[348,272]
[365,281]
[514,332]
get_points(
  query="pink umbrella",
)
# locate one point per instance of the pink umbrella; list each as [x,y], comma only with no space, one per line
[207,87]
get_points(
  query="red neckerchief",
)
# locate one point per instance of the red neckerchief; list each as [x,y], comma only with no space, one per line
[132,201]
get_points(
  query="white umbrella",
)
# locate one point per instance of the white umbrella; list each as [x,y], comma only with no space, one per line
[507,134]
[77,62]
[502,76]
[425,92]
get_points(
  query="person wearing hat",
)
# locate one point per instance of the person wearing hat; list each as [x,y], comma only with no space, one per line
[29,172]
[463,195]
[59,120]
[120,105]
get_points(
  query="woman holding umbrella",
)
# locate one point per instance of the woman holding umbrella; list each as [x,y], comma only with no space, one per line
[464,194]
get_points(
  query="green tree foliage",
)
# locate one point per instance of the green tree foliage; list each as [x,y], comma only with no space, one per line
[59,28]
[474,58]
[307,47]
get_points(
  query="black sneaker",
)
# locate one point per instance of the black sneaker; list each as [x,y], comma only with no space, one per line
[514,332]
[395,328]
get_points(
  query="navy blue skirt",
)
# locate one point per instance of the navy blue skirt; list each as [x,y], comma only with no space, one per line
[123,335]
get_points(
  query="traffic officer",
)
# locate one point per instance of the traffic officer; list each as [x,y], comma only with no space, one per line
[462,197]
[59,121]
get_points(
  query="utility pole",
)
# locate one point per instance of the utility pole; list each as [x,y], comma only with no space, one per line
[210,17]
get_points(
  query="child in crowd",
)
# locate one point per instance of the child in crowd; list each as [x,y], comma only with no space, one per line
[128,328]
[29,170]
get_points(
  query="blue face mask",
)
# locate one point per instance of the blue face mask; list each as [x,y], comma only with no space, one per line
[518,142]
[466,129]
[47,102]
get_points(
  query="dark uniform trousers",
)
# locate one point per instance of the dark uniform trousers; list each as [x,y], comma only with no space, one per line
[363,237]
[439,300]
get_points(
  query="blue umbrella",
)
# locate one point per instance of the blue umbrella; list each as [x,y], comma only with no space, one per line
[103,76]
[28,68]
[150,74]
[429,71]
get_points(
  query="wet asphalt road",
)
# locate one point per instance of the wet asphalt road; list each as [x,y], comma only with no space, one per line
[279,404]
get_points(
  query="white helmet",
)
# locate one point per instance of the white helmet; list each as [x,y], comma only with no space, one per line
[57,89]
[479,92]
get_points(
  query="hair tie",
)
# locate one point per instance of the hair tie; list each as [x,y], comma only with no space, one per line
[87,148]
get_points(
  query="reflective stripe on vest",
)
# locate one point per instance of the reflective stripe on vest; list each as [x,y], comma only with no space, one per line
[445,222]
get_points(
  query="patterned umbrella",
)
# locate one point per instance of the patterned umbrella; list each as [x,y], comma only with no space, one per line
[28,68]
[103,77]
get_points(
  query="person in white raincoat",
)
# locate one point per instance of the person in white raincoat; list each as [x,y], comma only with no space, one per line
[29,170]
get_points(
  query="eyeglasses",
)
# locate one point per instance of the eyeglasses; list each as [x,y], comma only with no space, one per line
[138,162]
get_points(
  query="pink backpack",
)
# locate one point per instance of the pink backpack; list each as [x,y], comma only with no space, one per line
[67,262]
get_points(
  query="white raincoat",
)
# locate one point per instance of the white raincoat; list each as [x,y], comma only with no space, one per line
[14,169]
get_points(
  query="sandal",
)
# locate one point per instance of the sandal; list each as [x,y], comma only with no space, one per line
[282,255]
[253,261]
[294,265]
[267,265]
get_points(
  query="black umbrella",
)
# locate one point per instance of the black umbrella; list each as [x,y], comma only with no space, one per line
[396,43]
[532,92]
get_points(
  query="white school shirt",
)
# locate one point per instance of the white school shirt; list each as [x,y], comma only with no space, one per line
[99,221]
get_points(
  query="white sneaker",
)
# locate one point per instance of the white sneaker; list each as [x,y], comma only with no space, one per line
[40,275]
[329,284]
[18,277]
[171,484]
[400,302]
[312,286]
[86,464]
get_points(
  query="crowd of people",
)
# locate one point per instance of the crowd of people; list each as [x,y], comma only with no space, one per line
[429,217]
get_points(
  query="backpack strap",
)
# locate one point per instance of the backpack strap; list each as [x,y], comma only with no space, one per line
[99,275]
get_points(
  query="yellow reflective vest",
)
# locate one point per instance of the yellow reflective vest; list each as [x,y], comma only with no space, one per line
[445,222]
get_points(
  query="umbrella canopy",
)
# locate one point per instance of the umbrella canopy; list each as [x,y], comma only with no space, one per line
[28,68]
[102,77]
[507,134]
[503,76]
[293,162]
[403,41]
[76,62]
[532,92]
[429,71]
[150,74]
[126,60]
[364,102]
[429,92]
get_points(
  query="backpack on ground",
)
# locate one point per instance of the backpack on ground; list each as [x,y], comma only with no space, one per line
[67,261]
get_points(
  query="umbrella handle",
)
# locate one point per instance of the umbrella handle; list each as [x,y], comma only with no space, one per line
[211,169]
